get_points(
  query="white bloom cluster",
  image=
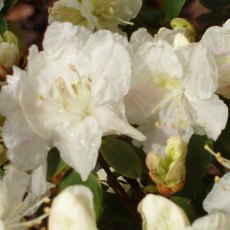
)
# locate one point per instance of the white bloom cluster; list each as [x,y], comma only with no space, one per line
[173,85]
[97,14]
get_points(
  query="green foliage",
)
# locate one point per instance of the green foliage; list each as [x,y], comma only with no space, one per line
[188,209]
[198,159]
[8,4]
[121,157]
[55,163]
[93,183]
[116,215]
[3,24]
[172,8]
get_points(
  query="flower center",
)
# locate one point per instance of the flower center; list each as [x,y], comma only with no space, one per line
[72,98]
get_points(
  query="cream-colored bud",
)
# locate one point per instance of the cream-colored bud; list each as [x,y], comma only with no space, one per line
[185,27]
[168,171]
[9,51]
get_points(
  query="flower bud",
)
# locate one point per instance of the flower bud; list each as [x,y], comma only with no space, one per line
[168,171]
[9,52]
[185,27]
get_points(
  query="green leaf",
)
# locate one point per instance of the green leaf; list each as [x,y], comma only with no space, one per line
[8,4]
[74,178]
[198,159]
[3,24]
[122,158]
[214,4]
[55,163]
[188,209]
[172,8]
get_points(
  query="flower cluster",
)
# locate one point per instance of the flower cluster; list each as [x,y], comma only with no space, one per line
[91,87]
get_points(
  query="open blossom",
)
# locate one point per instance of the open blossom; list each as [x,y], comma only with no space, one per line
[73,209]
[173,87]
[97,14]
[13,188]
[217,38]
[69,97]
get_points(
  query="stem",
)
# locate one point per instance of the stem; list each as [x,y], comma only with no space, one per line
[120,192]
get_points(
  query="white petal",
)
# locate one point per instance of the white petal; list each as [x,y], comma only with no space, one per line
[25,148]
[126,10]
[202,77]
[14,179]
[211,115]
[154,64]
[160,213]
[215,221]
[111,123]
[61,34]
[73,209]
[79,146]
[110,83]
[217,39]
[9,96]
[219,197]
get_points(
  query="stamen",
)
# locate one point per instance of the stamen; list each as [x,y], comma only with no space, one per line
[225,162]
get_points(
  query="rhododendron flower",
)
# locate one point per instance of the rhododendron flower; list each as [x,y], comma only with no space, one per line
[70,96]
[13,208]
[217,39]
[173,86]
[158,212]
[73,209]
[97,14]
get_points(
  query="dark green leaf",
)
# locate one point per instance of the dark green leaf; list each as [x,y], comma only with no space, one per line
[55,163]
[121,157]
[92,183]
[188,209]
[214,4]
[198,160]
[172,8]
[3,24]
[8,4]
[212,18]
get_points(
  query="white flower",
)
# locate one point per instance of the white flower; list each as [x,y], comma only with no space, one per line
[218,197]
[173,86]
[73,209]
[13,188]
[214,221]
[160,213]
[97,14]
[218,39]
[70,95]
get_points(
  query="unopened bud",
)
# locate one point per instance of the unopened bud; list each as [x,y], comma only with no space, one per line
[168,171]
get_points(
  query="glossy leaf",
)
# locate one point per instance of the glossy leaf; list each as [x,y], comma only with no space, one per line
[198,159]
[122,158]
[8,4]
[3,24]
[55,163]
[74,178]
[172,8]
[184,204]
